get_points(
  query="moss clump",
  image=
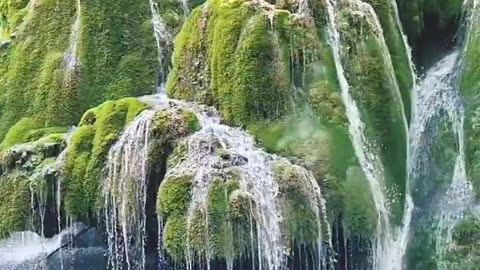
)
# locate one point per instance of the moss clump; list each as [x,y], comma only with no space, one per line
[86,154]
[396,47]
[226,55]
[116,57]
[19,133]
[15,206]
[301,222]
[174,196]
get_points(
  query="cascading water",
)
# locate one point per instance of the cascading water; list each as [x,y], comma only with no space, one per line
[390,242]
[386,253]
[256,180]
[163,41]
[125,187]
[71,57]
[125,191]
[438,96]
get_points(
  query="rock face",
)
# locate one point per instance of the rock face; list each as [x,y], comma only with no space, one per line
[290,137]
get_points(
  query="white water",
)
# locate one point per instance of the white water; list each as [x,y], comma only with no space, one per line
[390,244]
[163,41]
[125,191]
[437,96]
[185,7]
[27,246]
[255,178]
[71,57]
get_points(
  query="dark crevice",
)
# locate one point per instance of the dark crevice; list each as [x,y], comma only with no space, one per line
[438,38]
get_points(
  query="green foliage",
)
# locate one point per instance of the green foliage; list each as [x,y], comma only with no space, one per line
[15,206]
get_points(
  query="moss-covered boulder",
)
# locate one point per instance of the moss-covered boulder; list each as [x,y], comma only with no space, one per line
[86,154]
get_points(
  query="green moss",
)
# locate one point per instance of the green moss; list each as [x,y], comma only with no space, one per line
[36,134]
[470,87]
[174,237]
[235,63]
[15,206]
[86,154]
[374,91]
[174,196]
[116,56]
[219,226]
[301,223]
[19,133]
[360,216]
[396,47]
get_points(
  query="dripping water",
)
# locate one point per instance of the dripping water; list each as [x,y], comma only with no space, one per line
[71,57]
[125,191]
[163,41]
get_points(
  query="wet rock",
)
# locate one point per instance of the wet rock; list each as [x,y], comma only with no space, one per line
[4,44]
[238,160]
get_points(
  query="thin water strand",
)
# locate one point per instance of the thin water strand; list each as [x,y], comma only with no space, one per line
[125,190]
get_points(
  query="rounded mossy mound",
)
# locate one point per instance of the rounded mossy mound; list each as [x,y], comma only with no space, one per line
[219,223]
[86,155]
[28,184]
[99,129]
[252,61]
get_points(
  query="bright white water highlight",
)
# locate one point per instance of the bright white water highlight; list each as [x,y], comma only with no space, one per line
[125,188]
[125,191]
[71,57]
[27,246]
[390,244]
[163,41]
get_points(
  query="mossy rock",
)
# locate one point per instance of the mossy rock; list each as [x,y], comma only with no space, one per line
[86,154]
[15,207]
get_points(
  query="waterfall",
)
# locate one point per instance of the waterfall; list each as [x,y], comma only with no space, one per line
[185,7]
[256,181]
[163,41]
[388,252]
[71,57]
[437,95]
[125,192]
[124,188]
